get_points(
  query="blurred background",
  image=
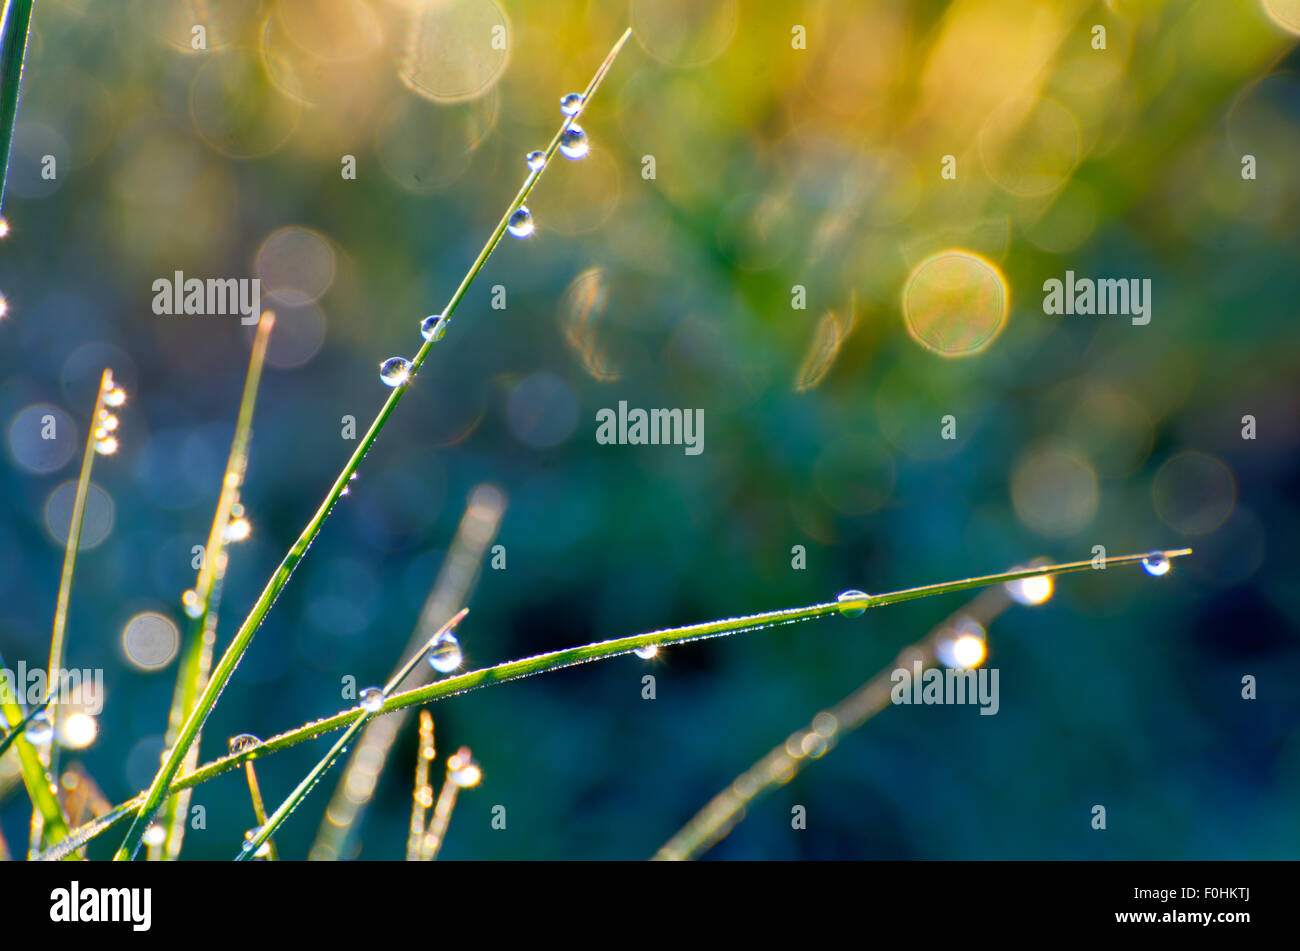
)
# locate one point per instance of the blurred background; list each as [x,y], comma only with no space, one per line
[730,161]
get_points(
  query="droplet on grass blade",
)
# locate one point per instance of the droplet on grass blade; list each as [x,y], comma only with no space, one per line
[243,741]
[190,602]
[433,327]
[1156,564]
[570,104]
[1033,590]
[445,654]
[462,769]
[40,730]
[263,850]
[535,160]
[521,223]
[573,143]
[647,652]
[395,371]
[372,700]
[115,397]
[155,835]
[852,595]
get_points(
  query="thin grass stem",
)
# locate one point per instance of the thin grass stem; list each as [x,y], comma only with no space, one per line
[556,660]
[196,661]
[230,659]
[422,797]
[784,761]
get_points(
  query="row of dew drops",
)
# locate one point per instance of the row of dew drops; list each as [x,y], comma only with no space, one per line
[573,145]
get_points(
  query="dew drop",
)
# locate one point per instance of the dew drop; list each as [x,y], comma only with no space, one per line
[4,228]
[238,530]
[852,595]
[571,103]
[433,327]
[463,770]
[573,142]
[1156,564]
[40,730]
[154,835]
[521,223]
[106,445]
[115,397]
[395,371]
[243,741]
[107,421]
[445,654]
[190,602]
[372,700]
[535,160]
[647,652]
[263,850]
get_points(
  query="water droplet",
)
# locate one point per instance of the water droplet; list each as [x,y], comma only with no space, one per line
[445,654]
[263,850]
[40,730]
[107,421]
[852,595]
[154,835]
[190,602]
[573,142]
[106,445]
[395,371]
[1156,564]
[238,530]
[647,652]
[463,770]
[571,103]
[1033,590]
[4,228]
[433,327]
[535,160]
[243,742]
[521,223]
[115,397]
[372,700]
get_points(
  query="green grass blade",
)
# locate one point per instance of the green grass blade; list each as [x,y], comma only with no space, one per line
[36,777]
[15,23]
[556,660]
[196,661]
[230,659]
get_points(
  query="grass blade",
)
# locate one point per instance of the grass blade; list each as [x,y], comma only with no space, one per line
[230,660]
[15,23]
[196,662]
[36,776]
[568,657]
[462,772]
[422,798]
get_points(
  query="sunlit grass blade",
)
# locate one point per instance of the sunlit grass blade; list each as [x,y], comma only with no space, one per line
[15,22]
[99,440]
[720,815]
[462,772]
[267,828]
[225,668]
[422,796]
[36,776]
[557,660]
[204,598]
[259,810]
[454,586]
[12,734]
